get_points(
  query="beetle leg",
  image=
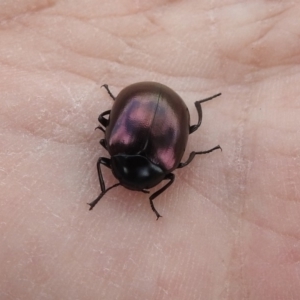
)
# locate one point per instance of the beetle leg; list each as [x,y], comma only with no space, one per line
[101,128]
[92,204]
[192,155]
[103,121]
[103,143]
[170,177]
[106,162]
[199,110]
[109,92]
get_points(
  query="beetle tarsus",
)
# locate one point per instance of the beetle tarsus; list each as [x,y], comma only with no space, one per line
[93,203]
[109,92]
[154,209]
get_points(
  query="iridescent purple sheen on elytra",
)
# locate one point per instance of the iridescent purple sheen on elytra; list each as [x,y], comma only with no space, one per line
[145,121]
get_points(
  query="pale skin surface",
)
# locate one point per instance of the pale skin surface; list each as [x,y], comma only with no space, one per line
[231,221]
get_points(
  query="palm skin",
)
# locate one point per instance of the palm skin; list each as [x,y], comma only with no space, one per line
[230,226]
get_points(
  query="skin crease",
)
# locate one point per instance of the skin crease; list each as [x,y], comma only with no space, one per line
[230,226]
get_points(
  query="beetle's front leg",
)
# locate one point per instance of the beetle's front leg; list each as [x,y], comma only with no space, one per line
[106,162]
[170,177]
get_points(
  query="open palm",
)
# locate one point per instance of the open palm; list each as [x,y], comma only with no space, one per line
[230,226]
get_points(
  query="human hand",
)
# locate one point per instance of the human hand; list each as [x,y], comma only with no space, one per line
[231,219]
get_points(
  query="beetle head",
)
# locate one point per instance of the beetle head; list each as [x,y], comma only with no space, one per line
[136,172]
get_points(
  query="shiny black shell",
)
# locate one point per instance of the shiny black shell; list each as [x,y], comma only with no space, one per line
[146,133]
[151,120]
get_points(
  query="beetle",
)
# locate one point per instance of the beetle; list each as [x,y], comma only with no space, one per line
[146,133]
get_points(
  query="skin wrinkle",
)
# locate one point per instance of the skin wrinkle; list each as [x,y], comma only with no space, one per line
[39,7]
[134,12]
[281,11]
[260,40]
[15,68]
[61,44]
[233,258]
[130,15]
[7,64]
[225,210]
[269,228]
[144,29]
[154,22]
[136,67]
[41,135]
[65,47]
[263,34]
[265,10]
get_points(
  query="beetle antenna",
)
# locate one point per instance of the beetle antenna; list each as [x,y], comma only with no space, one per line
[92,204]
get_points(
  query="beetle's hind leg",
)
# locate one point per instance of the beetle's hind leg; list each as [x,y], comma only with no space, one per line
[170,177]
[106,162]
[199,111]
[109,92]
[193,154]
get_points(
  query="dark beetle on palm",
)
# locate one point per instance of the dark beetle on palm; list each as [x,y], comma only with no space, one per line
[146,133]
